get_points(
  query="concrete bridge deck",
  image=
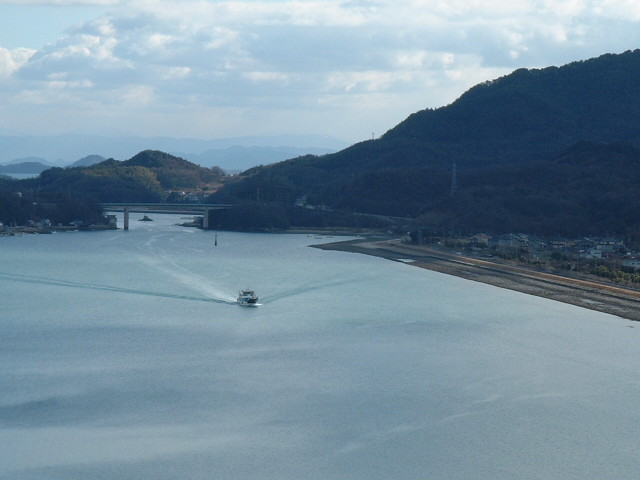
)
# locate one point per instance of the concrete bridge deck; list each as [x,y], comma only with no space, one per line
[177,208]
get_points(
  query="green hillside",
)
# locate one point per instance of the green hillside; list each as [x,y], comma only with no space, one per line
[508,138]
[65,194]
[146,177]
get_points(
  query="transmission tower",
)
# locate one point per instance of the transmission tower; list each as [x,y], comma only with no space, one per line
[454,179]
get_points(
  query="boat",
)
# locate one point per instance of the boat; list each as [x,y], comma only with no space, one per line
[247,298]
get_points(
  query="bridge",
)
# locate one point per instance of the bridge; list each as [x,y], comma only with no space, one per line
[179,208]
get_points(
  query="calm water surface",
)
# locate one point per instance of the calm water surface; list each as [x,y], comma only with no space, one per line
[123,355]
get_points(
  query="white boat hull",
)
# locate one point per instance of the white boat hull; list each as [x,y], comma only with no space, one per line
[249,304]
[247,298]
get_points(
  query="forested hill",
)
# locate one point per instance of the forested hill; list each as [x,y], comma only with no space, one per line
[145,177]
[65,194]
[498,129]
[528,115]
[531,114]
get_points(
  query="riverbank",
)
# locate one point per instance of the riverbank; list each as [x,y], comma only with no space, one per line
[26,230]
[594,295]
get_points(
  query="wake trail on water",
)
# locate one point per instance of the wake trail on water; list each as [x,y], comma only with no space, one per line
[311,287]
[108,288]
[188,278]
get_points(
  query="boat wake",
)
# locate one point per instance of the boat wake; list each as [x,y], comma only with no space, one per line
[186,277]
[310,287]
[109,288]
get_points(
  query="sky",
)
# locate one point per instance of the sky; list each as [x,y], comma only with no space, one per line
[349,69]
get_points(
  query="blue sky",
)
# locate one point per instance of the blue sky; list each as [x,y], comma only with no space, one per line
[34,26]
[212,69]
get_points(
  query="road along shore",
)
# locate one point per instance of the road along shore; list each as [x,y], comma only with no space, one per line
[606,298]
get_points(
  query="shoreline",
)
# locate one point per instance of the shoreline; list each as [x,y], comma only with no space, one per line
[26,230]
[602,297]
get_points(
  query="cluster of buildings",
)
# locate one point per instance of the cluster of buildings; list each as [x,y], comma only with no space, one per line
[198,196]
[587,247]
[551,251]
[572,254]
[45,226]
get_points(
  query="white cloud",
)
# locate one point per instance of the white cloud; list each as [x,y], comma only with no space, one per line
[371,81]
[62,3]
[12,60]
[380,59]
[258,77]
[618,9]
[174,73]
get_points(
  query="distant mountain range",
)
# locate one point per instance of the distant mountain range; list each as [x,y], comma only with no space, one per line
[237,158]
[18,161]
[88,161]
[233,154]
[551,151]
[26,167]
[35,165]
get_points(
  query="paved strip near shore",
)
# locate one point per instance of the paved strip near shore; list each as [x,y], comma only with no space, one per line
[598,296]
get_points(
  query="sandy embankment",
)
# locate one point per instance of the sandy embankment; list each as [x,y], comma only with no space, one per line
[602,297]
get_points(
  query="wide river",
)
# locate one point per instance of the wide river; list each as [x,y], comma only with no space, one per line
[123,356]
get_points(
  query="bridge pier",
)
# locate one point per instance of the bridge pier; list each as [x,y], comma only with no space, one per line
[205,219]
[126,218]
